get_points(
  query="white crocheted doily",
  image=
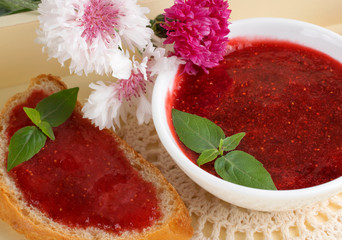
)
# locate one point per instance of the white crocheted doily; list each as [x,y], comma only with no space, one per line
[215,219]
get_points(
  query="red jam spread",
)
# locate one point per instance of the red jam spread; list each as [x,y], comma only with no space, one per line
[286,97]
[83,179]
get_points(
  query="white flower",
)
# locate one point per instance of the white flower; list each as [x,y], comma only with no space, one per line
[97,35]
[121,65]
[106,108]
[133,25]
[109,104]
[103,106]
[159,62]
[144,108]
[93,34]
[140,67]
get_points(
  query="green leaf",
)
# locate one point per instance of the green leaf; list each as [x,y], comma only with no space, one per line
[243,169]
[44,126]
[58,107]
[156,25]
[207,156]
[19,4]
[230,143]
[16,6]
[195,132]
[33,114]
[24,144]
[47,129]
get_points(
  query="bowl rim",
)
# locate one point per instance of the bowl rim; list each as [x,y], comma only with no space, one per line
[162,89]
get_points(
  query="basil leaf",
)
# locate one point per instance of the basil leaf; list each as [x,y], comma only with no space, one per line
[24,144]
[230,143]
[195,132]
[33,114]
[47,129]
[207,156]
[243,169]
[58,107]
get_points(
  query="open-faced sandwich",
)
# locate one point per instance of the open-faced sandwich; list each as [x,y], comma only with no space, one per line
[84,184]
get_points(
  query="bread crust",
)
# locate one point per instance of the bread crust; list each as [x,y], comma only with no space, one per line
[14,211]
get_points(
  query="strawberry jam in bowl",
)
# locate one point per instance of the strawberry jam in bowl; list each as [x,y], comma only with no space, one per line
[280,83]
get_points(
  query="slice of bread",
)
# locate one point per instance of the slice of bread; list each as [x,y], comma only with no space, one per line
[175,223]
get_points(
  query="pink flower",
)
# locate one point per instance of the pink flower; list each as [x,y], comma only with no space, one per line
[198,29]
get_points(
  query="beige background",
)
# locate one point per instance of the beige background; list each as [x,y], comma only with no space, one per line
[21,58]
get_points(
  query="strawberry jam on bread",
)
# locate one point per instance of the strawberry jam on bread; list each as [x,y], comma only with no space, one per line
[86,184]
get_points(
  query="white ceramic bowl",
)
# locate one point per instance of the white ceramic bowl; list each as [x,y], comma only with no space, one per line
[263,200]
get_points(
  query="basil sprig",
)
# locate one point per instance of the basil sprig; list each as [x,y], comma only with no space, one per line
[49,112]
[206,138]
